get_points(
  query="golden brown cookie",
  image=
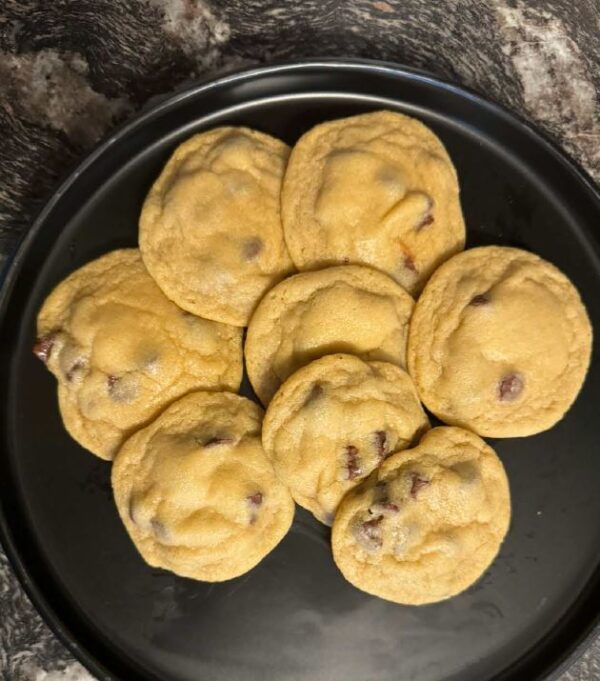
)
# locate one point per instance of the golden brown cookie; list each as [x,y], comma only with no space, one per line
[499,342]
[210,228]
[196,492]
[427,523]
[376,189]
[121,351]
[351,309]
[333,421]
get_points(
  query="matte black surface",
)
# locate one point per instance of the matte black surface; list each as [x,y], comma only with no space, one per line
[294,617]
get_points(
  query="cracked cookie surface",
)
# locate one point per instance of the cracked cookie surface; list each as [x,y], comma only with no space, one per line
[196,492]
[499,342]
[376,189]
[427,523]
[210,228]
[351,309]
[121,351]
[333,421]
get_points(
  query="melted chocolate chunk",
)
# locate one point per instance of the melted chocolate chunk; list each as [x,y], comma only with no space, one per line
[381,444]
[217,441]
[510,387]
[131,511]
[353,465]
[424,222]
[409,263]
[426,217]
[158,529]
[252,247]
[368,534]
[43,347]
[417,484]
[315,392]
[255,502]
[384,508]
[75,368]
[481,299]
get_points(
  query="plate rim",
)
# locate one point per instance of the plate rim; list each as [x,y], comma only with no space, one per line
[12,265]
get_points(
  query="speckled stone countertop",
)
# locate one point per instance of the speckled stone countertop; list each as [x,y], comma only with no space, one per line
[72,69]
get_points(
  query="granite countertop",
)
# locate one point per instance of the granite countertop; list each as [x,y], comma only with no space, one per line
[72,69]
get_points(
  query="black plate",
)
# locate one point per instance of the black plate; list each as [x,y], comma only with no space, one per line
[294,617]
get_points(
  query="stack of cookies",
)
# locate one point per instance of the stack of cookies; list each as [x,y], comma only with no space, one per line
[344,259]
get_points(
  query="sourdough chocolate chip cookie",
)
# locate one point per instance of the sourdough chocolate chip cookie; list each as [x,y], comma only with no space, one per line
[121,351]
[335,420]
[196,492]
[499,342]
[376,189]
[210,229]
[349,309]
[427,523]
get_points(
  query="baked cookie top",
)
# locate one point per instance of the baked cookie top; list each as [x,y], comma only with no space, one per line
[377,189]
[121,351]
[196,492]
[210,228]
[427,523]
[499,342]
[333,421]
[349,309]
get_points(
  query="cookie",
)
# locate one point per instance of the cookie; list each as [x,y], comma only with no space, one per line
[377,189]
[335,420]
[210,229]
[196,492]
[351,309]
[499,342]
[121,351]
[427,523]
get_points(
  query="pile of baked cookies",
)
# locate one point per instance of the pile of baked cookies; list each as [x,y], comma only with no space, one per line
[147,349]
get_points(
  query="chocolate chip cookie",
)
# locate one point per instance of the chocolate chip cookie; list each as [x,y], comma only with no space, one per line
[121,351]
[427,523]
[499,342]
[377,189]
[335,420]
[349,309]
[196,492]
[210,229]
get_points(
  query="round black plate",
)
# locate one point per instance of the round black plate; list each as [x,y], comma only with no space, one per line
[294,617]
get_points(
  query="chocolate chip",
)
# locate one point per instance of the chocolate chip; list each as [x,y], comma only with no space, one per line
[43,347]
[217,441]
[381,444]
[252,247]
[417,484]
[112,381]
[368,534]
[481,299]
[353,467]
[510,387]
[314,393]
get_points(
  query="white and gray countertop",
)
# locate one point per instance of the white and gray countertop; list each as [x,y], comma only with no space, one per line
[70,70]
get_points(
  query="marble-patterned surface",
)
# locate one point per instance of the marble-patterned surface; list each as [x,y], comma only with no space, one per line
[72,69]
